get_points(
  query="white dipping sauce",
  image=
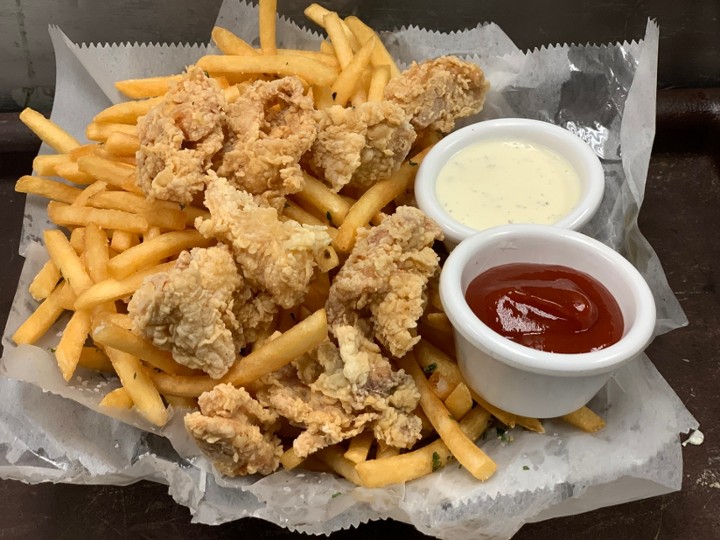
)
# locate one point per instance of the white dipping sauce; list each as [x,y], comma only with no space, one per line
[498,181]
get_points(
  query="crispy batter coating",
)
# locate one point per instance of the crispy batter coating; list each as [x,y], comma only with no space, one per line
[271,125]
[383,283]
[235,432]
[179,137]
[360,145]
[202,310]
[274,256]
[435,93]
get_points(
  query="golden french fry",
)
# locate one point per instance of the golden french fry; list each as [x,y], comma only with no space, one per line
[71,343]
[322,96]
[348,82]
[229,43]
[374,200]
[267,14]
[77,240]
[459,402]
[71,171]
[97,255]
[328,259]
[385,451]
[136,381]
[359,447]
[84,150]
[146,88]
[380,56]
[46,164]
[44,281]
[311,71]
[114,173]
[111,289]
[94,358]
[505,417]
[444,374]
[122,144]
[299,214]
[289,460]
[179,402]
[64,256]
[585,419]
[126,112]
[122,320]
[117,399]
[441,340]
[101,132]
[320,197]
[338,37]
[50,189]
[276,353]
[378,82]
[123,240]
[93,189]
[440,322]
[151,233]
[162,214]
[48,131]
[470,456]
[64,214]
[112,335]
[333,457]
[35,326]
[327,48]
[153,251]
[420,462]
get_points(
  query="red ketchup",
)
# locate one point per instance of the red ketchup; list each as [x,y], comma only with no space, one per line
[546,307]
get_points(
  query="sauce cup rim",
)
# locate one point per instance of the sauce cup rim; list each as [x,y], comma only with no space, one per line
[464,321]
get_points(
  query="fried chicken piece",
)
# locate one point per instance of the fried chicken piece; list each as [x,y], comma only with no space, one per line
[271,125]
[435,93]
[235,432]
[202,310]
[274,256]
[382,285]
[360,145]
[179,137]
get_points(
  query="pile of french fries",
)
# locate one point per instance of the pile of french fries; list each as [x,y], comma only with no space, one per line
[118,238]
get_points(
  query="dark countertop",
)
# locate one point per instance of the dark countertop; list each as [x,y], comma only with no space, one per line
[679,217]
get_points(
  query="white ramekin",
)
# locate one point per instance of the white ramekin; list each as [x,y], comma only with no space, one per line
[565,143]
[526,381]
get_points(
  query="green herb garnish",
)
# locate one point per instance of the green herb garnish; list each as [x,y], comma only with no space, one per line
[436,461]
[430,369]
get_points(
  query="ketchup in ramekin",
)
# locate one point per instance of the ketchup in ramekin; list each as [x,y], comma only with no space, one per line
[550,308]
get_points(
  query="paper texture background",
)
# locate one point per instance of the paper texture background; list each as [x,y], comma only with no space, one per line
[604,94]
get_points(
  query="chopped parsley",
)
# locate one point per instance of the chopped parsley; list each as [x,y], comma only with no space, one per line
[526,468]
[328,215]
[436,461]
[53,349]
[503,435]
[336,495]
[206,73]
[135,375]
[430,369]
[334,95]
[412,163]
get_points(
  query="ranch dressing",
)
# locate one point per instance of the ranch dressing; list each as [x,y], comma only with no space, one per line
[498,181]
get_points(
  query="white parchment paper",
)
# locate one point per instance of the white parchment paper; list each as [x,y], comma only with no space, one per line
[50,430]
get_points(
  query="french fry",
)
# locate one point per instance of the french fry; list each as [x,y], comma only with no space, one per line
[71,171]
[93,189]
[71,343]
[77,240]
[45,165]
[153,251]
[162,214]
[328,259]
[48,131]
[440,340]
[386,451]
[229,43]
[459,402]
[267,14]
[64,214]
[122,144]
[585,419]
[50,189]
[116,174]
[470,456]
[420,462]
[299,214]
[126,112]
[151,233]
[97,255]
[378,82]
[101,132]
[444,374]
[380,56]
[348,82]
[505,417]
[333,457]
[103,153]
[123,240]
[359,447]
[440,322]
[311,71]
[289,460]
[338,37]
[275,354]
[117,399]
[112,335]
[320,197]
[136,381]
[146,88]
[35,326]
[181,402]
[44,281]
[374,200]
[64,256]
[122,320]
[95,359]
[111,289]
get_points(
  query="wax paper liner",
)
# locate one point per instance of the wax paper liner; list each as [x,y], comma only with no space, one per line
[50,430]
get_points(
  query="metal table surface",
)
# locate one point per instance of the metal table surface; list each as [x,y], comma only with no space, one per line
[679,217]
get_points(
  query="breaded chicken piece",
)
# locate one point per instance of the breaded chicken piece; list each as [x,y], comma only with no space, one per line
[179,137]
[235,432]
[381,288]
[360,145]
[270,126]
[202,310]
[334,394]
[274,256]
[435,93]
